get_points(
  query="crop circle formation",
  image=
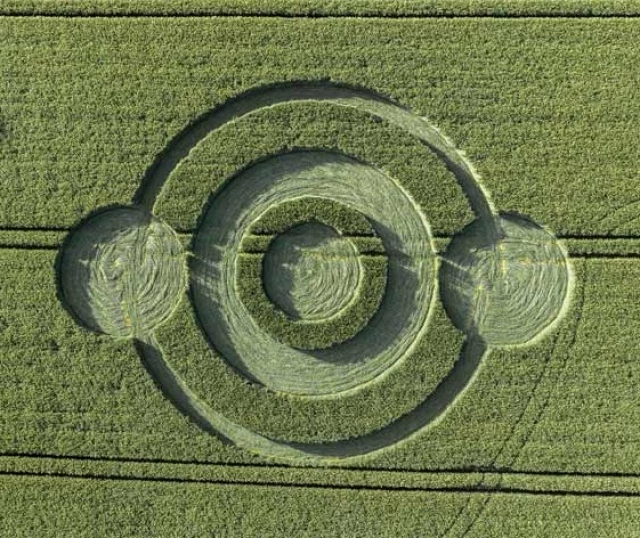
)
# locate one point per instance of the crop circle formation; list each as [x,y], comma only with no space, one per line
[507,289]
[123,272]
[503,280]
[311,272]
[410,273]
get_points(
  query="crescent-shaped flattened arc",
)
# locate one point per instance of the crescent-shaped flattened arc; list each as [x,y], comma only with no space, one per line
[358,98]
[395,433]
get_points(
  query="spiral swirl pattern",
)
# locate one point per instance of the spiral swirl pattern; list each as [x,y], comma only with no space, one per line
[311,272]
[507,290]
[123,272]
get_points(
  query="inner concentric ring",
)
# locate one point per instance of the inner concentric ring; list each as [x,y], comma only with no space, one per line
[392,331]
[349,295]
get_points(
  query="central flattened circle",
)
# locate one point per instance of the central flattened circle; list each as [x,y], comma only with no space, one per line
[311,272]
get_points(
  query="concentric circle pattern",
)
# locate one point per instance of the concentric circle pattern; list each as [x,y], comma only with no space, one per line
[311,272]
[410,277]
[339,239]
[504,280]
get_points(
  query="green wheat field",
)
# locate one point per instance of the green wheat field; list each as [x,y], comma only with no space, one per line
[357,269]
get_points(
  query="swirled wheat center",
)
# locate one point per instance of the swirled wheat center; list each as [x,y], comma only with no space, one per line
[311,272]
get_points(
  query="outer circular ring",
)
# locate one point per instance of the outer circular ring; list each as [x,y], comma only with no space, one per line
[451,387]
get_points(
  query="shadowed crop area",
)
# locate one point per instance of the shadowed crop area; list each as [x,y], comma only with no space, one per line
[357,271]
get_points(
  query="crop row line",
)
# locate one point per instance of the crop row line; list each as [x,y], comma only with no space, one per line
[183,231]
[288,15]
[577,255]
[189,232]
[342,468]
[476,489]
